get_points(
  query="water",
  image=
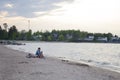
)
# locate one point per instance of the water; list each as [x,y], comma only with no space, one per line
[99,54]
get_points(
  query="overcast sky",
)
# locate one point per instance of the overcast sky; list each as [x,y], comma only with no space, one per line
[87,15]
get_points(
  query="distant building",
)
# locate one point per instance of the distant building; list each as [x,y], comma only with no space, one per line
[115,39]
[68,36]
[102,39]
[55,35]
[89,38]
[37,37]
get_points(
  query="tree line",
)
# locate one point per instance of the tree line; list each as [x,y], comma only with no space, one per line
[55,35]
[13,34]
[69,35]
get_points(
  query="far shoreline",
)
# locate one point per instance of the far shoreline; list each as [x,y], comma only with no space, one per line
[22,42]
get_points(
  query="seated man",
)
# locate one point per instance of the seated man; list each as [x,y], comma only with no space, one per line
[39,53]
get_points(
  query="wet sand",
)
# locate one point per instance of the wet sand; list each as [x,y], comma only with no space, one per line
[15,66]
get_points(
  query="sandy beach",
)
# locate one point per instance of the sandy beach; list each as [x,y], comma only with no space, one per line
[15,66]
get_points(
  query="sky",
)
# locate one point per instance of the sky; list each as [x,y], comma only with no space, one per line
[96,16]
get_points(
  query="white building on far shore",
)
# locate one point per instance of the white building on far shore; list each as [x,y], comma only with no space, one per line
[104,39]
[89,38]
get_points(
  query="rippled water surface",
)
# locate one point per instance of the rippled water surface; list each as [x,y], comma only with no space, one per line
[99,54]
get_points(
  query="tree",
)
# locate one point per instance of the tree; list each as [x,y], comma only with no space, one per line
[49,38]
[22,35]
[76,35]
[12,33]
[29,35]
[4,35]
[45,35]
[83,34]
[1,32]
[5,26]
[109,35]
[61,38]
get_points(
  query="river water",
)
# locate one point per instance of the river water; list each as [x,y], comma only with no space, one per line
[105,55]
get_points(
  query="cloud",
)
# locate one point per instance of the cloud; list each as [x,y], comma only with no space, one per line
[3,13]
[39,13]
[29,8]
[9,5]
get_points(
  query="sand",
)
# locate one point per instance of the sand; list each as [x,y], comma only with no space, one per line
[15,66]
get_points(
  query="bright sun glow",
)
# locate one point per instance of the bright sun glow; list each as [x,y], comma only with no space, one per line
[91,10]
